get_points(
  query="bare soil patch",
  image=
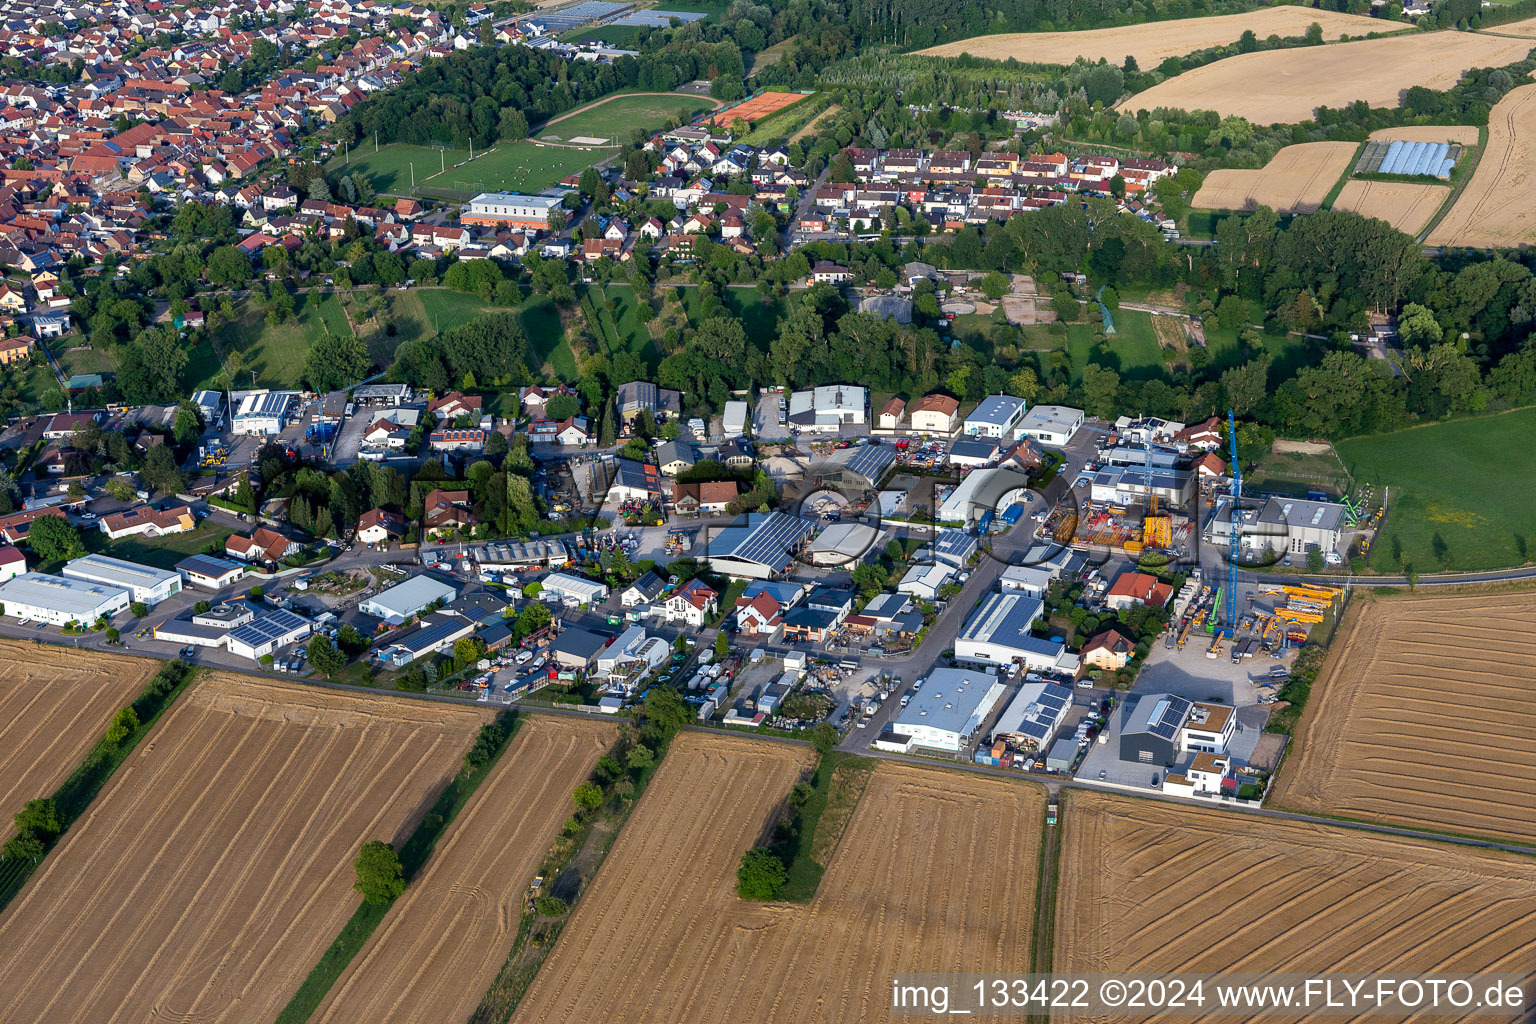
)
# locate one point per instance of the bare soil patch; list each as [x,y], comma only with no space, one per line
[1423,716]
[445,939]
[1297,180]
[54,705]
[1156,887]
[811,125]
[1406,207]
[1282,86]
[936,869]
[1498,206]
[1156,41]
[207,879]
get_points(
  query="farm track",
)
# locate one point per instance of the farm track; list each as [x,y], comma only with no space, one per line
[54,706]
[1154,888]
[445,939]
[1495,207]
[208,878]
[890,900]
[1422,716]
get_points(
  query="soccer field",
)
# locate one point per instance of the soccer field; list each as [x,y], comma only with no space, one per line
[390,169]
[523,166]
[1455,501]
[613,120]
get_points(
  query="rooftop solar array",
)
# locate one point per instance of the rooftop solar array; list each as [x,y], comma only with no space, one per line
[766,540]
[268,628]
[659,19]
[870,460]
[1166,716]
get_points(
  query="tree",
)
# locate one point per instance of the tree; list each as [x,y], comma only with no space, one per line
[138,609]
[1314,559]
[551,906]
[380,878]
[351,642]
[824,738]
[1024,384]
[639,757]
[1417,326]
[324,656]
[189,423]
[228,266]
[160,472]
[39,817]
[761,875]
[54,539]
[124,724]
[666,708]
[722,645]
[587,796]
[24,846]
[1101,387]
[995,285]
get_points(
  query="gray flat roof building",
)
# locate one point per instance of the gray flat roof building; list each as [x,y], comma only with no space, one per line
[403,600]
[56,599]
[144,582]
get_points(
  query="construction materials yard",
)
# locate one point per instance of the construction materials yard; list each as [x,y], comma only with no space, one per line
[54,705]
[1422,717]
[1286,86]
[1157,887]
[217,866]
[1297,180]
[892,898]
[1153,42]
[444,940]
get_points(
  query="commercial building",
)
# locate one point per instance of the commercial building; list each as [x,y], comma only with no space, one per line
[211,405]
[843,544]
[403,600]
[983,491]
[734,420]
[1159,728]
[1031,580]
[576,649]
[510,209]
[827,409]
[853,470]
[998,633]
[563,586]
[272,632]
[934,414]
[949,708]
[1032,718]
[971,452]
[145,583]
[12,562]
[437,632]
[996,416]
[261,412]
[756,546]
[1129,485]
[1051,424]
[924,580]
[545,553]
[57,600]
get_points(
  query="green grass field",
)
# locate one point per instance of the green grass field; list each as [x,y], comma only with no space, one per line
[426,313]
[277,354]
[614,120]
[523,166]
[613,35]
[1455,502]
[390,169]
[630,329]
[1132,350]
[759,318]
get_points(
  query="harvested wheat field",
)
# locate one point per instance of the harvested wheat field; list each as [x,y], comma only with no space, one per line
[1297,180]
[1282,86]
[1498,206]
[444,940]
[891,899]
[1406,207]
[1460,134]
[1163,888]
[1516,28]
[1424,716]
[54,705]
[1155,41]
[209,876]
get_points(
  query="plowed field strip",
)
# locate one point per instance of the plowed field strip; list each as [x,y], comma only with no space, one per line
[443,942]
[210,875]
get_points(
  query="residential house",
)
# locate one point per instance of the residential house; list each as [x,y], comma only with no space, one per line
[1132,588]
[694,604]
[935,414]
[1109,650]
[712,496]
[264,546]
[377,526]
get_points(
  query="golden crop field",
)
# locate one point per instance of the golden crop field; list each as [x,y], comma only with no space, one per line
[1153,42]
[1283,86]
[216,867]
[1423,716]
[1153,887]
[1498,206]
[1406,207]
[444,940]
[55,703]
[905,891]
[1297,180]
[1461,134]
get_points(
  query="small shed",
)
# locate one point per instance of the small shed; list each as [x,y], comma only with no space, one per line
[1063,752]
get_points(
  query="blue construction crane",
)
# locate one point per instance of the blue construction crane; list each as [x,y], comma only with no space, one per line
[1232,550]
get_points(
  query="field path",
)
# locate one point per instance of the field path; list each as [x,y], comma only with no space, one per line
[207,879]
[443,942]
[54,705]
[810,125]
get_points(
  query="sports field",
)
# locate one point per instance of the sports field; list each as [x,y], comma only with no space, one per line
[392,168]
[1454,502]
[609,122]
[757,107]
[526,166]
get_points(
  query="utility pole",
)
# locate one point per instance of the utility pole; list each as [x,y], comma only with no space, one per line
[413,177]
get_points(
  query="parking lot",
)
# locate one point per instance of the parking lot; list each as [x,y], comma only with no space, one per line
[767,424]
